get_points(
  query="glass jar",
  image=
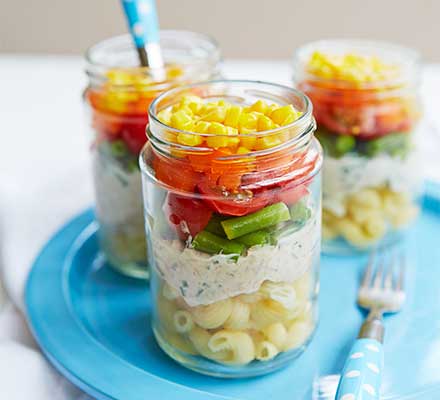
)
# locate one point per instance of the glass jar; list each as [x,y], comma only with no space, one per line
[117,97]
[365,100]
[233,224]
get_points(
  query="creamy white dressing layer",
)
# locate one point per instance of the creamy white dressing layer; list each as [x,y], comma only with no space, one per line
[204,279]
[351,173]
[118,195]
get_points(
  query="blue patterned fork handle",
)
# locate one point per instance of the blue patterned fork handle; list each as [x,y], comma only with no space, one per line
[144,28]
[361,376]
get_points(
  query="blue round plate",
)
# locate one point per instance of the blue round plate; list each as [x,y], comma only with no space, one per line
[93,325]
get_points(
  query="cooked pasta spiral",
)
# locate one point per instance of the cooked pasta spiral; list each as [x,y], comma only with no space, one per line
[239,344]
[368,214]
[213,315]
[200,339]
[256,326]
[265,351]
[240,316]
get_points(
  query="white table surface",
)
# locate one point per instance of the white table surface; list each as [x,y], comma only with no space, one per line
[44,180]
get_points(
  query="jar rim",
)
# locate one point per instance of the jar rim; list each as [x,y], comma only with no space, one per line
[307,114]
[304,137]
[407,57]
[210,53]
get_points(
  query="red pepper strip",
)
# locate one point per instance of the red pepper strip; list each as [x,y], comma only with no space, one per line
[223,173]
[176,173]
[296,170]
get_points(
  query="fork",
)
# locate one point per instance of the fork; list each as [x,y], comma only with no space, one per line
[380,292]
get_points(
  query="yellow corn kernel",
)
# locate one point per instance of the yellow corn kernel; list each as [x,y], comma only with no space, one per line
[117,100]
[217,114]
[217,141]
[270,109]
[247,131]
[185,108]
[174,72]
[243,150]
[207,107]
[202,126]
[232,131]
[164,116]
[217,129]
[182,120]
[190,99]
[259,106]
[233,141]
[248,142]
[170,136]
[176,107]
[292,118]
[265,123]
[248,120]
[189,139]
[195,107]
[233,116]
[284,115]
[119,77]
[194,103]
[267,142]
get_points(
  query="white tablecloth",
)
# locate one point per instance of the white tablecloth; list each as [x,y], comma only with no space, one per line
[44,180]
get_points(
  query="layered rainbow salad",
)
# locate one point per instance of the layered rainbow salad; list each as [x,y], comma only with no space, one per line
[118,116]
[234,222]
[367,112]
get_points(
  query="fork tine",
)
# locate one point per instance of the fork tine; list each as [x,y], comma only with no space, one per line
[378,278]
[366,279]
[388,280]
[402,269]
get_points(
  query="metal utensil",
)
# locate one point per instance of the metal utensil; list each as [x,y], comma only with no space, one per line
[144,27]
[381,292]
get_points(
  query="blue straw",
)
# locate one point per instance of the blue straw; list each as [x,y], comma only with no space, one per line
[144,28]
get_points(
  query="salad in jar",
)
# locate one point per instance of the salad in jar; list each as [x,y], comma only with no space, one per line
[118,97]
[232,210]
[367,109]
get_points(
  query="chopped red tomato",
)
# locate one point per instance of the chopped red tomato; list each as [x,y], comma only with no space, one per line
[187,215]
[236,204]
[291,193]
[133,133]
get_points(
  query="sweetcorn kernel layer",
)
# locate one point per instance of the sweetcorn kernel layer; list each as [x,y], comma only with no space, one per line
[226,122]
[355,68]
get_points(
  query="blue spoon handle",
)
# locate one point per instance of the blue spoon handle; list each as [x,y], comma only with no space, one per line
[144,27]
[361,376]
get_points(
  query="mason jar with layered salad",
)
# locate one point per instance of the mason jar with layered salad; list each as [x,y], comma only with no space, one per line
[231,183]
[365,99]
[117,97]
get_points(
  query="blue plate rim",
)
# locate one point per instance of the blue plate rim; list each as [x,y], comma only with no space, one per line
[105,391]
